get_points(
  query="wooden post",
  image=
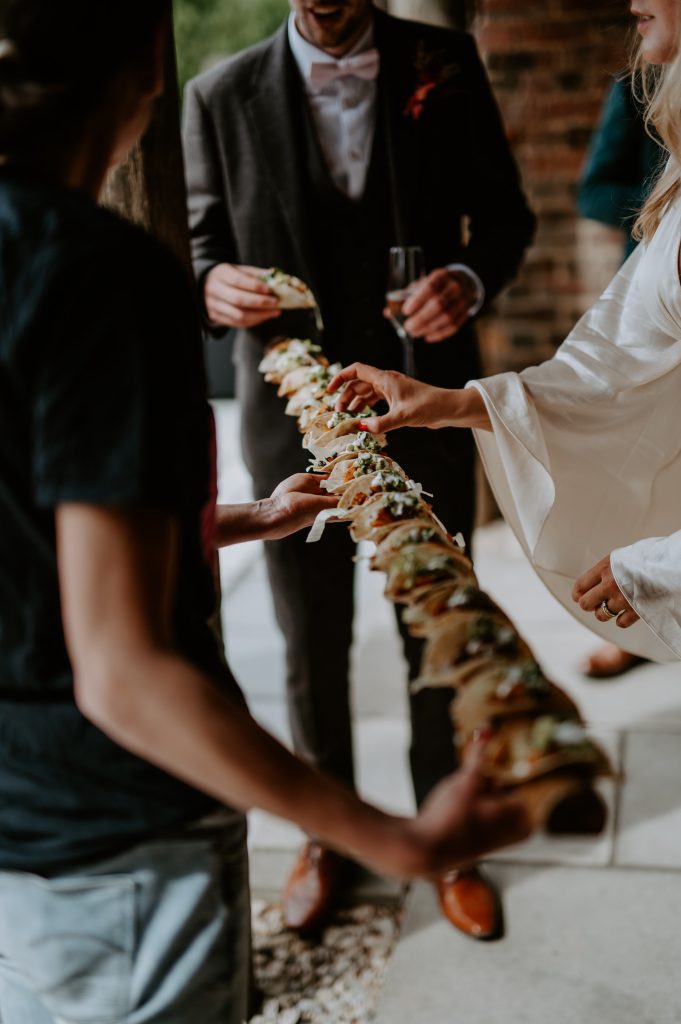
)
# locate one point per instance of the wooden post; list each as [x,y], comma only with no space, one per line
[149,188]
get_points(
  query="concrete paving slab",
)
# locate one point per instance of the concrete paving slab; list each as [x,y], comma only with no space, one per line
[583,946]
[649,832]
[381,756]
[649,693]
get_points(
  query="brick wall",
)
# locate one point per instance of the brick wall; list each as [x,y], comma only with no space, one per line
[550,63]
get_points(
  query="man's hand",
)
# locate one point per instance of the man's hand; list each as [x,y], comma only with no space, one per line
[439,305]
[296,503]
[412,403]
[464,817]
[236,297]
[598,585]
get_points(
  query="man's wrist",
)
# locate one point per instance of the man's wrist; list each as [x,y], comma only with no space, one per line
[478,286]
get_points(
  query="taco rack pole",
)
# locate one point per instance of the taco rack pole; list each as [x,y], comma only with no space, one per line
[537,743]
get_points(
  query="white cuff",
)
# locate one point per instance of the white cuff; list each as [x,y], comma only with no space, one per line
[479,286]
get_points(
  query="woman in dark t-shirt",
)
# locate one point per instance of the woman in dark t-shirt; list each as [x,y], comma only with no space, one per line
[121,730]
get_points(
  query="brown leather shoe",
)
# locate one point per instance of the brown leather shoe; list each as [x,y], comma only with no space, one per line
[312,890]
[469,902]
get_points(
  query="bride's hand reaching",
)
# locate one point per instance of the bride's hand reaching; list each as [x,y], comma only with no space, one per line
[411,402]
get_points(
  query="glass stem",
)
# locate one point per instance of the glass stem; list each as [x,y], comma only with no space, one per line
[408,360]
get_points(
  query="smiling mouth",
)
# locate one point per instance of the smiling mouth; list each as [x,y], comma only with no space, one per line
[331,11]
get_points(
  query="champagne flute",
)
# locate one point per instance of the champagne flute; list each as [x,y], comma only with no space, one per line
[405,269]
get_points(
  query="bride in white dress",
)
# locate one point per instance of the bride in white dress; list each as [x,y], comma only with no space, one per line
[584,451]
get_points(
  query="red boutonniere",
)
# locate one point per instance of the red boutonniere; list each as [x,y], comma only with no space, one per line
[432,72]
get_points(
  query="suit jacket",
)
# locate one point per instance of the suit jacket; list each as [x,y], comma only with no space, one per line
[247,187]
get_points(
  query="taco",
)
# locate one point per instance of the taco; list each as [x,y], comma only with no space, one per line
[378,516]
[367,487]
[291,291]
[465,643]
[415,568]
[426,532]
[286,355]
[350,444]
[441,598]
[303,376]
[527,748]
[325,429]
[354,467]
[311,404]
[506,691]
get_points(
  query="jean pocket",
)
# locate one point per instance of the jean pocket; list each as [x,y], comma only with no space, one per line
[70,941]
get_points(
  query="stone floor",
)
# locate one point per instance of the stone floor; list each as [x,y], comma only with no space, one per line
[592,925]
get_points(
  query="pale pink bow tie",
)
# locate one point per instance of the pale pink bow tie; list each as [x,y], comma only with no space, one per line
[365,65]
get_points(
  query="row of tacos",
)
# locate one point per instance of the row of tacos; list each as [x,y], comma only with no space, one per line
[538,742]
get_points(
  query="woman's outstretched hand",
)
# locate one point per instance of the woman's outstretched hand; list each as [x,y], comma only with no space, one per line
[411,403]
[598,585]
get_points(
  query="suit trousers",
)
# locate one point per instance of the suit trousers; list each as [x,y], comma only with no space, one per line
[313,591]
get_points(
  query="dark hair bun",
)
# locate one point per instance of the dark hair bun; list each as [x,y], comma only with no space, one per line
[58,56]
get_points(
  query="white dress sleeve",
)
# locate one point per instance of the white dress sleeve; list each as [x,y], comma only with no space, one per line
[649,575]
[585,455]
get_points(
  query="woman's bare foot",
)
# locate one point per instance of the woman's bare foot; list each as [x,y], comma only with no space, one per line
[608,661]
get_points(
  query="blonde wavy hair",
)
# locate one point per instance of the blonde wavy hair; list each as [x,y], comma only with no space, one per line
[658,88]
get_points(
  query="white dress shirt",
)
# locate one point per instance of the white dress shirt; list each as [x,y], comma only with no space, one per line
[344,115]
[344,112]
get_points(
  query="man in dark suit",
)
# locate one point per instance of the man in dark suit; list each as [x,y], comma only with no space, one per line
[346,133]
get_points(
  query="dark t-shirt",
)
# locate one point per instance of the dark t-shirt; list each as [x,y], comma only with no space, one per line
[102,401]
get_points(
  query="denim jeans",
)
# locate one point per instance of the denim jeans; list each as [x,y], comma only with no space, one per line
[159,934]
